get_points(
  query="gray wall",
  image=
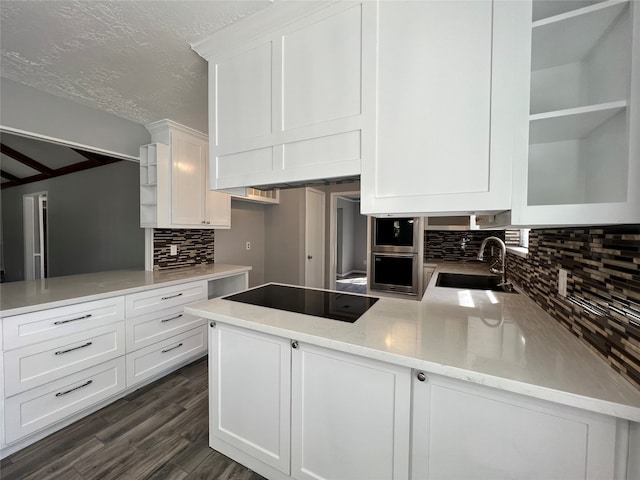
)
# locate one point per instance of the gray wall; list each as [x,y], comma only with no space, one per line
[354,237]
[247,225]
[359,240]
[284,238]
[94,222]
[25,108]
[345,264]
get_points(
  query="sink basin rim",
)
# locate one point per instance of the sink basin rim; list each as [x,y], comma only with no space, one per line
[468,281]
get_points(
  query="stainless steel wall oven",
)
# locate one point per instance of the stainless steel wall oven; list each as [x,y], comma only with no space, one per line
[395,265]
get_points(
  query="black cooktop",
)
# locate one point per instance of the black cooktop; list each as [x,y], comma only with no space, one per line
[320,303]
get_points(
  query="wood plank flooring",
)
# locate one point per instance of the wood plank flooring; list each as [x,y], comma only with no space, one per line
[159,432]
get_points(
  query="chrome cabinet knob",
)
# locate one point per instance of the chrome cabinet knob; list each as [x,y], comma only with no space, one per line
[421,377]
[294,344]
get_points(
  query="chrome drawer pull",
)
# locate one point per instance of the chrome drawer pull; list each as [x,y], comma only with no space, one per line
[172,296]
[169,319]
[60,352]
[59,394]
[60,322]
[172,348]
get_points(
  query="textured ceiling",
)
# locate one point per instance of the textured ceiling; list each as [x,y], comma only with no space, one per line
[129,58]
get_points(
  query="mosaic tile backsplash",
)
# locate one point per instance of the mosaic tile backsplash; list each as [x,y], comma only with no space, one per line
[455,246]
[602,306]
[195,247]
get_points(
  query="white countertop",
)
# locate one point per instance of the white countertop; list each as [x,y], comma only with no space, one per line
[24,297]
[496,339]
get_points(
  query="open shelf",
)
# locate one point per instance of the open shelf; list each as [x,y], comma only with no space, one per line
[581,169]
[542,10]
[571,36]
[573,123]
[581,103]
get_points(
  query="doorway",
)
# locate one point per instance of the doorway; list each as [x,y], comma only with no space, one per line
[348,243]
[314,238]
[36,264]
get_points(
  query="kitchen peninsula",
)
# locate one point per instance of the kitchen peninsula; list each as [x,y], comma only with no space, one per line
[74,344]
[464,384]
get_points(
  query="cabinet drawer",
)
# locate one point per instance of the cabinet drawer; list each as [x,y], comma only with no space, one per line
[148,329]
[161,356]
[35,365]
[162,298]
[40,407]
[21,330]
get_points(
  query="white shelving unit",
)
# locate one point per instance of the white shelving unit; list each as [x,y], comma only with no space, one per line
[583,107]
[154,159]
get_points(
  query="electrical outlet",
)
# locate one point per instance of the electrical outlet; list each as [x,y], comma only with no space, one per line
[562,282]
[173,249]
[248,246]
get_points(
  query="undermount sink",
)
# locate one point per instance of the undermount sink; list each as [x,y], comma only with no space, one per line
[473,282]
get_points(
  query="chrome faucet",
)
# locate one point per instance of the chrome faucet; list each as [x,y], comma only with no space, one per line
[503,260]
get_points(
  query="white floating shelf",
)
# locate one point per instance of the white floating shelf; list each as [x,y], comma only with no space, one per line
[568,37]
[572,123]
[547,9]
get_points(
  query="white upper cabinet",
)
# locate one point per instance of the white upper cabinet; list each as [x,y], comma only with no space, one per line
[174,191]
[581,164]
[287,106]
[450,81]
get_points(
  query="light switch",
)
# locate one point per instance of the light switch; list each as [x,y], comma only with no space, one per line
[173,249]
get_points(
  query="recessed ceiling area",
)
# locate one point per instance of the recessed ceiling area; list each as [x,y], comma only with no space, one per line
[128,58]
[25,160]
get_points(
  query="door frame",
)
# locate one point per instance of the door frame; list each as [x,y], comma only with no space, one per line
[333,234]
[32,202]
[323,214]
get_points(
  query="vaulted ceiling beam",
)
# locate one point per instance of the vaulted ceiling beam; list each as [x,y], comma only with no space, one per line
[11,178]
[96,158]
[25,160]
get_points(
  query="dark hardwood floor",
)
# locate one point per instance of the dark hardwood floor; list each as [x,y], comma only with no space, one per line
[158,432]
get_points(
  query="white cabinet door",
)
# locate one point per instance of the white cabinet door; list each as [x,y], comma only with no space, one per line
[249,378]
[446,97]
[218,209]
[174,189]
[292,105]
[350,417]
[188,179]
[462,430]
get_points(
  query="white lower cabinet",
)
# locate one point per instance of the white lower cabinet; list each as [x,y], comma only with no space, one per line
[37,408]
[350,416]
[162,356]
[40,363]
[306,412]
[250,385]
[293,410]
[462,430]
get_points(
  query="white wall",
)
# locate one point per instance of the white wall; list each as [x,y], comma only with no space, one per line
[94,221]
[247,225]
[30,110]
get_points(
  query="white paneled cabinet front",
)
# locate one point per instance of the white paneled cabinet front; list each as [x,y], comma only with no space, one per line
[306,412]
[447,91]
[461,430]
[175,192]
[350,416]
[289,106]
[250,395]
